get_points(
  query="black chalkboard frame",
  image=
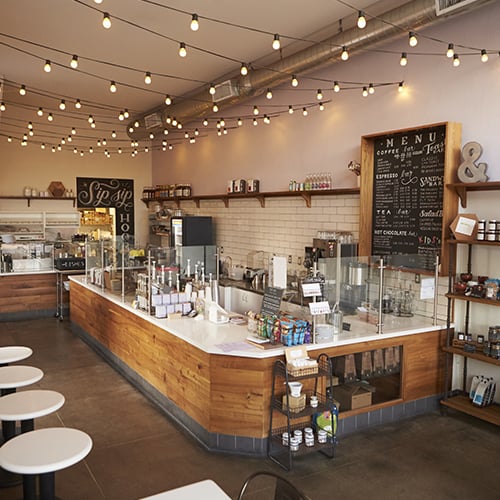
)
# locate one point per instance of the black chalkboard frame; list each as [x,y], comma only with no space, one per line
[449,202]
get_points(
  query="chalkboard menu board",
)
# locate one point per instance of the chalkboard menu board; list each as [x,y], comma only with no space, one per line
[408,195]
[109,193]
[405,206]
[271,301]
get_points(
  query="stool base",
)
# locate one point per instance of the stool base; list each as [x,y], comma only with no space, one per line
[9,479]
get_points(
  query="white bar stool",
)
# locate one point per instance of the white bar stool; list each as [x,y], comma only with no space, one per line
[25,406]
[13,353]
[41,453]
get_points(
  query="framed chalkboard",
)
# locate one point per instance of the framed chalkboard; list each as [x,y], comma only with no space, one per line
[406,208]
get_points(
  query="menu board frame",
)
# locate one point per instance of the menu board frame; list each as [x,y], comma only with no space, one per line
[446,171]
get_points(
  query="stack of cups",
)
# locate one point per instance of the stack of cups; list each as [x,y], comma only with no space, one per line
[322,436]
[308,436]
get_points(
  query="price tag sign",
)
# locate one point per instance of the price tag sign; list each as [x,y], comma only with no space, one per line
[319,308]
[311,289]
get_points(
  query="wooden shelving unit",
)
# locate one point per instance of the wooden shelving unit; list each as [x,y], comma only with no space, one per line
[462,189]
[462,403]
[261,197]
[29,199]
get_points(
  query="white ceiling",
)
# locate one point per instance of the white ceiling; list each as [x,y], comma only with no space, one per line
[32,31]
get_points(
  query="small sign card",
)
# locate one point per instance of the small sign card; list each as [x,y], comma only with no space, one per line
[272,301]
[311,289]
[319,308]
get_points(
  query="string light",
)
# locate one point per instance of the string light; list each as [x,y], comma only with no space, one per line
[195,24]
[62,105]
[290,110]
[106,21]
[239,122]
[321,106]
[244,69]
[78,104]
[74,62]
[267,120]
[50,117]
[215,108]
[412,39]
[484,55]
[40,112]
[196,132]
[137,124]
[304,111]
[112,87]
[90,119]
[211,89]
[205,122]
[222,122]
[165,131]
[42,146]
[319,95]
[269,94]
[22,90]
[404,59]
[361,20]
[451,51]
[9,139]
[255,122]
[47,67]
[126,113]
[30,125]
[401,87]
[336,87]
[168,100]
[121,116]
[345,55]
[182,49]
[255,110]
[73,131]
[456,61]
[294,82]
[371,89]
[276,42]
[98,1]
[113,134]
[147,78]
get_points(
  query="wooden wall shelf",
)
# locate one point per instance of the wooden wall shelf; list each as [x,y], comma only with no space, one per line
[305,195]
[41,198]
[463,403]
[462,188]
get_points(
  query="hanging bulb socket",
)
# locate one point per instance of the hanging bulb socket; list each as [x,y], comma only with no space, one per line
[269,94]
[211,90]
[344,55]
[182,49]
[484,55]
[62,105]
[47,67]
[147,78]
[336,87]
[319,95]
[276,42]
[255,110]
[294,82]
[404,59]
[168,100]
[456,61]
[78,104]
[195,24]
[106,21]
[22,90]
[244,69]
[74,62]
[451,51]
[371,89]
[401,87]
[112,87]
[361,20]
[412,39]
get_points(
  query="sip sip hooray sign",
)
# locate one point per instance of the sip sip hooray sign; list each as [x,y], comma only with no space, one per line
[109,193]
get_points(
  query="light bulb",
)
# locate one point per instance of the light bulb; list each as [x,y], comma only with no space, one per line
[276,42]
[361,20]
[401,87]
[195,24]
[295,82]
[484,56]
[131,129]
[31,133]
[179,125]
[165,131]
[290,109]
[47,67]
[211,90]
[205,122]
[126,113]
[215,108]
[78,104]
[119,151]
[239,122]
[90,119]
[63,141]
[371,89]
[222,122]
[219,133]
[255,110]
[92,125]
[456,60]
[42,146]
[73,131]
[2,106]
[113,134]
[168,120]
[22,90]
[9,139]
[336,87]
[321,106]
[269,94]
[451,51]
[151,136]
[186,135]
[121,116]
[196,132]
[25,137]
[404,59]
[244,69]
[255,122]
[74,62]
[168,100]
[50,117]
[98,1]
[69,138]
[106,21]
[112,87]
[40,112]
[147,78]
[104,142]
[30,125]
[136,124]
[365,92]
[345,55]
[412,39]
[304,111]
[267,120]
[319,95]
[62,105]
[182,49]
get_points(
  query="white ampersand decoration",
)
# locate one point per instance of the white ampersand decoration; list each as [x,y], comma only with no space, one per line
[469,171]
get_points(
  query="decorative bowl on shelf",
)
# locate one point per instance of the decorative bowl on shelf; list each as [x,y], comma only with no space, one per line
[465,276]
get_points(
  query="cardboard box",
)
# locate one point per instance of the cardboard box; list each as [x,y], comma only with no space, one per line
[296,403]
[353,396]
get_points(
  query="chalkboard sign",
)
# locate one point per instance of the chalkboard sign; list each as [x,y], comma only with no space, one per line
[109,193]
[272,301]
[405,206]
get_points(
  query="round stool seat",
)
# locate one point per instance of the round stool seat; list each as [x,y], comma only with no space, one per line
[18,376]
[13,353]
[29,404]
[45,450]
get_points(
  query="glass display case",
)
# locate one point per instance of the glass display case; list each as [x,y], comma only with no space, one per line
[26,257]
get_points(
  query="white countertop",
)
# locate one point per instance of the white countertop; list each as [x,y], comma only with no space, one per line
[229,339]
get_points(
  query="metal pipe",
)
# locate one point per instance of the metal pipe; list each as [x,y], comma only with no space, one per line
[380,322]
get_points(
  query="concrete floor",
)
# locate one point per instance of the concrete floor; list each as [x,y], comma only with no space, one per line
[138,451]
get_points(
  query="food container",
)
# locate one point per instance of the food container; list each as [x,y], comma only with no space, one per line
[295,388]
[253,186]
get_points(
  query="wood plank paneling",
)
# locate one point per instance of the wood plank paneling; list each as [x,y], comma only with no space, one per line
[28,292]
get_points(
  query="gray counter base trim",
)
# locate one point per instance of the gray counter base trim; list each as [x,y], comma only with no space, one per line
[243,445]
[23,315]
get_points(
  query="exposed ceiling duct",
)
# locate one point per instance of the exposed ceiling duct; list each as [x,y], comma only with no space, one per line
[411,16]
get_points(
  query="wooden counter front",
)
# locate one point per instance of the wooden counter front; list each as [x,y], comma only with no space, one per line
[229,395]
